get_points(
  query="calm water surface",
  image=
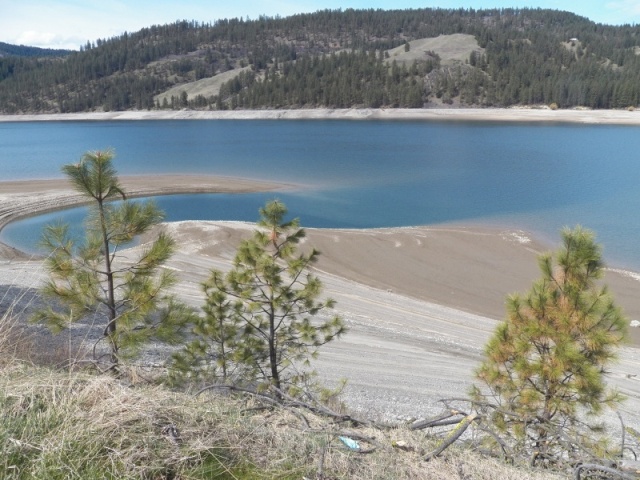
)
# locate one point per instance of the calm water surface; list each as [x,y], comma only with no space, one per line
[538,177]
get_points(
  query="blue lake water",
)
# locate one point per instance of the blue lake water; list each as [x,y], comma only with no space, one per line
[358,174]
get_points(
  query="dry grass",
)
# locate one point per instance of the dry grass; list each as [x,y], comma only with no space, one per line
[206,87]
[76,426]
[15,340]
[73,425]
[63,424]
[33,344]
[452,49]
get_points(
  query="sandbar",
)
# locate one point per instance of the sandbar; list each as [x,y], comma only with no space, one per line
[472,269]
[515,114]
[22,198]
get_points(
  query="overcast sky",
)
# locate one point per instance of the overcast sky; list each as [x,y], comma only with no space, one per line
[71,23]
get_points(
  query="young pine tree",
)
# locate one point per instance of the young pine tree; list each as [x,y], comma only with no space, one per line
[94,278]
[545,364]
[258,316]
[213,352]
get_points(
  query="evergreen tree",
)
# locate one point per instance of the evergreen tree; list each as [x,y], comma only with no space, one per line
[525,59]
[217,344]
[95,277]
[545,364]
[259,315]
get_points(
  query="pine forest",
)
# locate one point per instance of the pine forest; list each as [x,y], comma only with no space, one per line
[337,59]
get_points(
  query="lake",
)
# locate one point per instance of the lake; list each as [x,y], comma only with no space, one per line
[361,174]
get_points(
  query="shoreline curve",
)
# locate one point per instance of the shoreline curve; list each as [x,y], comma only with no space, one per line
[469,268]
[27,198]
[515,114]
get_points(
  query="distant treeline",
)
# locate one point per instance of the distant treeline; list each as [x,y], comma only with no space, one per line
[6,49]
[335,58]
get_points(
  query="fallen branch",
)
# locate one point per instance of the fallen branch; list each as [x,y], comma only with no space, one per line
[286,401]
[321,410]
[439,421]
[453,436]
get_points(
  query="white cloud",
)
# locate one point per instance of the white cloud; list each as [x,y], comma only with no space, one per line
[31,37]
[48,40]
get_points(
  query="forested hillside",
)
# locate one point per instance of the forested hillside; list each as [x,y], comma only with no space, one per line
[7,49]
[334,58]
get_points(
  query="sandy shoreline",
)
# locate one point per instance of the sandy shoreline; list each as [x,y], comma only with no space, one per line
[420,302]
[24,198]
[611,117]
[468,268]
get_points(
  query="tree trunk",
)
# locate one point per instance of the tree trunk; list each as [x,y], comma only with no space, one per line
[110,330]
[273,357]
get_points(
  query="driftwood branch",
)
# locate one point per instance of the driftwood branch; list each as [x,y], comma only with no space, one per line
[439,421]
[453,436]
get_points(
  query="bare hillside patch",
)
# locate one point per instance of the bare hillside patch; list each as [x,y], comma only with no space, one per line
[452,49]
[205,87]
